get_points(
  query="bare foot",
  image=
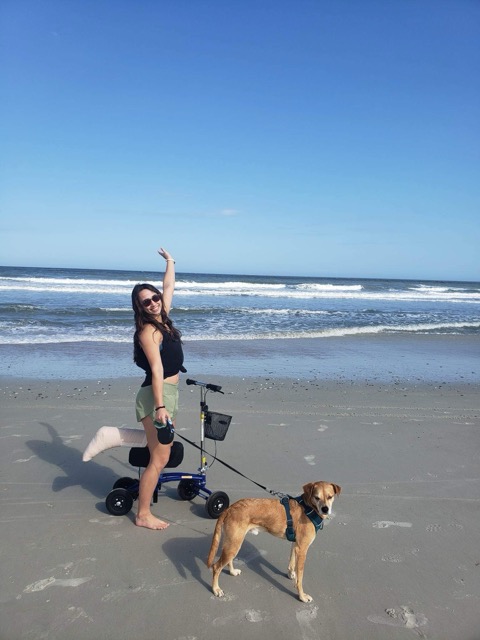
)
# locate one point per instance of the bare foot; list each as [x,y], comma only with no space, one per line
[151,522]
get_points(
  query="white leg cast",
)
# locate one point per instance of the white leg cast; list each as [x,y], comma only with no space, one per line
[109,437]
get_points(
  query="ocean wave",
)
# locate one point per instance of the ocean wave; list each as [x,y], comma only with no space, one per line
[340,332]
[298,294]
[330,287]
[70,288]
[18,307]
[434,289]
[65,339]
[228,285]
[79,282]
[233,288]
[286,312]
[246,311]
[112,335]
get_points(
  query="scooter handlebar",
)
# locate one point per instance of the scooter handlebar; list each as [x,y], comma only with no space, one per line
[211,387]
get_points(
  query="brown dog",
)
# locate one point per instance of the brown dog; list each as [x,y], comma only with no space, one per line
[254,514]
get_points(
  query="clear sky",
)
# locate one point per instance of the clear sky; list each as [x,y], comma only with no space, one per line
[289,137]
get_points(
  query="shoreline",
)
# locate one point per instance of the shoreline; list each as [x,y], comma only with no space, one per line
[380,358]
[98,386]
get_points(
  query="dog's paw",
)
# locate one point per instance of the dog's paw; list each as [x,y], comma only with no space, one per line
[218,592]
[291,574]
[235,572]
[304,597]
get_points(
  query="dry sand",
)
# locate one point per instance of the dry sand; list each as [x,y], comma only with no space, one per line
[399,559]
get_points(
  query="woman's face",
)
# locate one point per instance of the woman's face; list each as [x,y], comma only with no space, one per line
[150,301]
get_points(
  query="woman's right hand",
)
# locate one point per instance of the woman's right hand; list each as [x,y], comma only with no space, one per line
[162,416]
[165,254]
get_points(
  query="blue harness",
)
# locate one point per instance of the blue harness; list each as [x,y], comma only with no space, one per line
[316,520]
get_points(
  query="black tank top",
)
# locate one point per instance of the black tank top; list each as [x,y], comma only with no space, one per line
[171,353]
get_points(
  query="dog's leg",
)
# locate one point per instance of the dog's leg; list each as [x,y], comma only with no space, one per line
[301,555]
[217,569]
[217,534]
[292,562]
[233,571]
[231,547]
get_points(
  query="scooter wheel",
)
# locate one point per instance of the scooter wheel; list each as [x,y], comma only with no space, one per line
[217,503]
[124,483]
[119,502]
[187,490]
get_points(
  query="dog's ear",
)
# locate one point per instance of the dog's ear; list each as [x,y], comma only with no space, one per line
[337,489]
[307,491]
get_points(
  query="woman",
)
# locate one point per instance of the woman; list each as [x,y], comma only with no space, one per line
[158,351]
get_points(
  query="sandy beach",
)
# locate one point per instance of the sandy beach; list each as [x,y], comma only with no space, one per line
[399,558]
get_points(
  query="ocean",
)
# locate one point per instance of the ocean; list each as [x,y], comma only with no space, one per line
[84,315]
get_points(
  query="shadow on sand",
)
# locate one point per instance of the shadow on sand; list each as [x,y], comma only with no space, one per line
[189,556]
[92,476]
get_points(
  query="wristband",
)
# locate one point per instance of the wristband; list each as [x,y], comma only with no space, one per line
[162,406]
[170,260]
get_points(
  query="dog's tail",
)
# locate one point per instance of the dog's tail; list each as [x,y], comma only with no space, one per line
[217,534]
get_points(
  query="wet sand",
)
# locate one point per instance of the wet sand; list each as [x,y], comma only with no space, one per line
[373,358]
[400,557]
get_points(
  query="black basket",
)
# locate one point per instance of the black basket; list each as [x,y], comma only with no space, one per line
[216,425]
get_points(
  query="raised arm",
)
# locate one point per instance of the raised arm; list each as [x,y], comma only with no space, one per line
[168,280]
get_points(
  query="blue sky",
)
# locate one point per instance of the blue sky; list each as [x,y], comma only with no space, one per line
[300,137]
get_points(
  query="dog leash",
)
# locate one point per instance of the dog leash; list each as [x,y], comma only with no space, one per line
[284,498]
[279,494]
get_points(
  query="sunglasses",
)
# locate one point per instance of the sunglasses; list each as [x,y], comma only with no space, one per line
[148,301]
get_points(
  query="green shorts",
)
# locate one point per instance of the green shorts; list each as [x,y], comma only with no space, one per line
[145,406]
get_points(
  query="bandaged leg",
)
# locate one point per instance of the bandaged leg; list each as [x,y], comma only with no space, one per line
[108,437]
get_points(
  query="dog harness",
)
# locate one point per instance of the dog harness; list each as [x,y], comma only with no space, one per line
[316,520]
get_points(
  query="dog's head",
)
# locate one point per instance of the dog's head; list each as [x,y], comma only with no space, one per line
[320,496]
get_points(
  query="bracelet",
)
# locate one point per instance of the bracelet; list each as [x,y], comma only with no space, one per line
[162,406]
[170,260]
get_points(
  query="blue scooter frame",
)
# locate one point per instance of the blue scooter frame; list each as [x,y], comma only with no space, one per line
[212,425]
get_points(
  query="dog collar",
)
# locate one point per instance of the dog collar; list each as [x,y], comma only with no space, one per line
[316,520]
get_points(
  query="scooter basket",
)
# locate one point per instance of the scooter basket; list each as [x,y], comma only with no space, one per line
[216,425]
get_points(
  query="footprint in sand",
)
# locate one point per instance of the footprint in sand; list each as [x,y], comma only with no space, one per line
[109,522]
[249,615]
[70,439]
[392,558]
[385,524]
[227,597]
[402,617]
[51,582]
[24,459]
[305,617]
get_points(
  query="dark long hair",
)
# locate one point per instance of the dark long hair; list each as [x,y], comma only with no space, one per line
[142,318]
